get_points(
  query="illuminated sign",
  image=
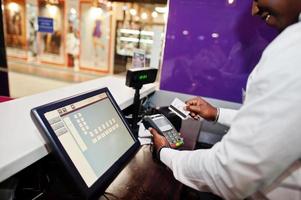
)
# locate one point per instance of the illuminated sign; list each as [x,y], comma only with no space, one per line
[143,77]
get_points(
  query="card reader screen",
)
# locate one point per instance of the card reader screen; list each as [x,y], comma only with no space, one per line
[163,123]
[92,133]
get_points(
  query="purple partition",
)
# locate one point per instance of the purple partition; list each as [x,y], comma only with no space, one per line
[211,47]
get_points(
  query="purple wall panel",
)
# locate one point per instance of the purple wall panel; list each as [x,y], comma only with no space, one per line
[211,47]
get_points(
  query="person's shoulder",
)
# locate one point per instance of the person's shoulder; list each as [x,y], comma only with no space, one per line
[292,33]
[288,40]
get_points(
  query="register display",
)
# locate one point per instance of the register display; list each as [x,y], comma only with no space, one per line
[92,133]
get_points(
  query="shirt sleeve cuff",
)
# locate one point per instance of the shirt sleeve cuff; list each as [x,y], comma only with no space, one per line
[226,116]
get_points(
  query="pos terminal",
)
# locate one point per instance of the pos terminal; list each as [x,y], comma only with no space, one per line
[90,136]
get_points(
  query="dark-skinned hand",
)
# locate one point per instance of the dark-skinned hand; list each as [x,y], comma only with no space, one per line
[159,141]
[198,107]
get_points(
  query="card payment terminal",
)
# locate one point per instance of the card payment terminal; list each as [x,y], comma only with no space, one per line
[165,128]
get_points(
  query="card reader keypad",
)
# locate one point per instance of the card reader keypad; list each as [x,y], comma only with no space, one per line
[173,137]
[165,128]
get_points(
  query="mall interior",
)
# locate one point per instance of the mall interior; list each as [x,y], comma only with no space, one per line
[111,30]
[81,82]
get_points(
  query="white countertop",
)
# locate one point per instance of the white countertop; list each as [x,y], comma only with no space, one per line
[21,144]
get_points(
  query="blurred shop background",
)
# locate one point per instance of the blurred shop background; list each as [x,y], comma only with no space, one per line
[210,46]
[90,39]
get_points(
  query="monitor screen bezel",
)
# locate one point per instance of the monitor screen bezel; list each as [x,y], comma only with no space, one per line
[98,187]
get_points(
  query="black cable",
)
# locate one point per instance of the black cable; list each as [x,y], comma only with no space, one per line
[38,196]
[105,196]
[111,194]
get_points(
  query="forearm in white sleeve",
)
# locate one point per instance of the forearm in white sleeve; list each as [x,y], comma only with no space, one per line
[226,116]
[242,163]
[259,146]
[263,141]
[198,170]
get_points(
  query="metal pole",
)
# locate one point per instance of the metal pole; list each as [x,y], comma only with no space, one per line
[136,110]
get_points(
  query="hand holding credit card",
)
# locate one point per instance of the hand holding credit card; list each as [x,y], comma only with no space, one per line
[178,107]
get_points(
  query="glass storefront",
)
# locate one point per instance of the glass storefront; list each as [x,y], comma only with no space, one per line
[80,37]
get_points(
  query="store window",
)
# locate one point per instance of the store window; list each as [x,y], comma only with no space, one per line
[139,27]
[78,40]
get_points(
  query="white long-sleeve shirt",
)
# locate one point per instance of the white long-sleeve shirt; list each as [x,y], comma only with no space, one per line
[260,154]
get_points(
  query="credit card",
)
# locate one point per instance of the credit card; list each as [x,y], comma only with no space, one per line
[177,106]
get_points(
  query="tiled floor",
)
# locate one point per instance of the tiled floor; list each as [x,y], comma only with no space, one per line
[51,72]
[23,84]
[27,80]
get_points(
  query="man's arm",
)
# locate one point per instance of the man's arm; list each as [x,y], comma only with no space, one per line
[263,140]
[257,149]
[199,107]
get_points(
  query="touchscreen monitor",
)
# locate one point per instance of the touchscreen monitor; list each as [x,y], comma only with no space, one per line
[90,135]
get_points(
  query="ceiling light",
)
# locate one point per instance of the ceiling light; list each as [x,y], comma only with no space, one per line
[14,7]
[215,35]
[154,14]
[144,15]
[133,12]
[230,1]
